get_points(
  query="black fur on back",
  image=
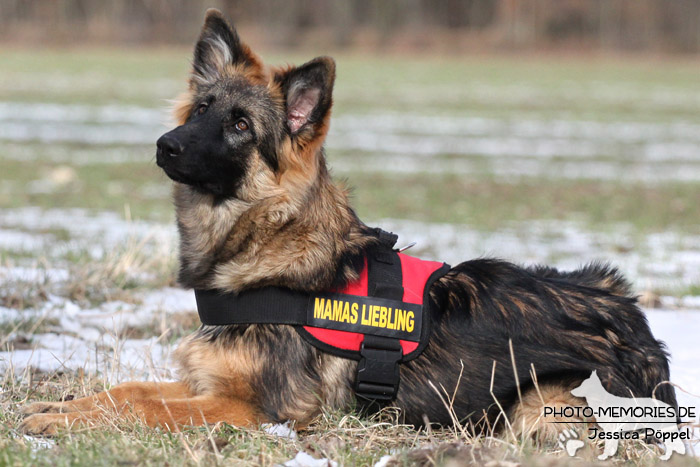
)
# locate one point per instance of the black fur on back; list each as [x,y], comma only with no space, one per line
[564,324]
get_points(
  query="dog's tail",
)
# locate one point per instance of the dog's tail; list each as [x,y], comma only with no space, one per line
[643,362]
[635,355]
[594,275]
[629,359]
[589,317]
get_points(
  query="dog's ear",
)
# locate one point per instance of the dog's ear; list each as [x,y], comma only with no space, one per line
[308,94]
[218,47]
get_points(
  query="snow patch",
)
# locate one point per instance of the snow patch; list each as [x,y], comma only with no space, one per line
[97,234]
[666,260]
[88,338]
[33,275]
[680,331]
[383,461]
[39,443]
[304,459]
[282,430]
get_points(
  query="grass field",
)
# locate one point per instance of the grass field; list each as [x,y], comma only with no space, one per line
[500,134]
[558,160]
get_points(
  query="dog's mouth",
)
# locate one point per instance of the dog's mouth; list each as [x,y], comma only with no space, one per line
[177,176]
[173,173]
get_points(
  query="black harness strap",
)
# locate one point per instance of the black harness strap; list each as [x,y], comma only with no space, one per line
[267,305]
[377,378]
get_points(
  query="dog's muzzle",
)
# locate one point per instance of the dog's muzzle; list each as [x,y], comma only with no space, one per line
[168,147]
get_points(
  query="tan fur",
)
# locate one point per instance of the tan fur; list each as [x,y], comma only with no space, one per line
[334,370]
[267,258]
[254,71]
[155,404]
[182,107]
[166,413]
[112,398]
[211,369]
[527,418]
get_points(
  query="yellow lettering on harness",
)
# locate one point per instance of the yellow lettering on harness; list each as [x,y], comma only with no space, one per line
[337,310]
[346,313]
[349,311]
[400,320]
[382,317]
[390,317]
[365,316]
[328,311]
[353,313]
[318,308]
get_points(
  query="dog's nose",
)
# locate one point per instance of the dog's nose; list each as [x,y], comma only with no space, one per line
[168,146]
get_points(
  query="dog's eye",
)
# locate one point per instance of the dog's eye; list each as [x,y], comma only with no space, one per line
[242,125]
[201,109]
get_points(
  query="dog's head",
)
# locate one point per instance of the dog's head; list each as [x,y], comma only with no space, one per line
[241,123]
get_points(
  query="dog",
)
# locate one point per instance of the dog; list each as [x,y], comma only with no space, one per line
[257,208]
[650,415]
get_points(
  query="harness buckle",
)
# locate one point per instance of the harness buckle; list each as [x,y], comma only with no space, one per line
[378,370]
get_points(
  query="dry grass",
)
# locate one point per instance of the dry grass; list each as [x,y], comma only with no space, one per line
[344,438]
[137,264]
[133,266]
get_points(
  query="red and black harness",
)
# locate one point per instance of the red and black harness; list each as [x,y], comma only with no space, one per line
[382,319]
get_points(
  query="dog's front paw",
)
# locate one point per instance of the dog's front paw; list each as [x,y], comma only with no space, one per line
[42,424]
[42,407]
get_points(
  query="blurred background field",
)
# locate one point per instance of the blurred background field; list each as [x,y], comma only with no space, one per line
[541,131]
[495,143]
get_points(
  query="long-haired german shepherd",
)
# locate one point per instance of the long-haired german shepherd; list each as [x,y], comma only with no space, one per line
[257,207]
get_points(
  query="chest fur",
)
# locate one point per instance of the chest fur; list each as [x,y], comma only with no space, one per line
[268,365]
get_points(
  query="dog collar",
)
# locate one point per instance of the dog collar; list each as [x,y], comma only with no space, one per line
[381,319]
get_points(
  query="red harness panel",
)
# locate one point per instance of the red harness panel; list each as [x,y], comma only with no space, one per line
[415,273]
